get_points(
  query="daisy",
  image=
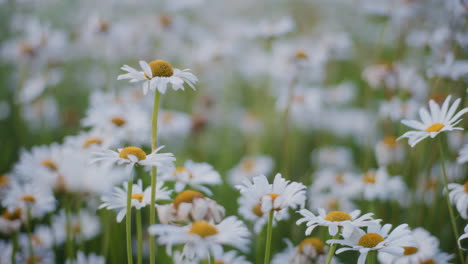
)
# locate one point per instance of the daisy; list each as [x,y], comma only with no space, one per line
[10,222]
[220,257]
[425,247]
[117,200]
[378,184]
[132,156]
[462,237]
[33,196]
[157,74]
[193,174]
[388,151]
[377,238]
[202,239]
[336,219]
[84,226]
[276,197]
[309,250]
[438,120]
[459,197]
[463,157]
[174,125]
[81,258]
[190,206]
[250,167]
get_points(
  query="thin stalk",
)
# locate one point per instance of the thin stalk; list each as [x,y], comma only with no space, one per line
[15,248]
[286,132]
[447,198]
[68,229]
[371,257]
[139,236]
[154,171]
[268,239]
[128,220]
[28,230]
[332,250]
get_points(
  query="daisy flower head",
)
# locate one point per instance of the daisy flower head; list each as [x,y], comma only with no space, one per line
[32,196]
[193,174]
[309,250]
[10,222]
[132,156]
[459,197]
[188,206]
[157,74]
[81,258]
[117,199]
[377,238]
[202,239]
[250,167]
[463,157]
[336,219]
[276,197]
[437,120]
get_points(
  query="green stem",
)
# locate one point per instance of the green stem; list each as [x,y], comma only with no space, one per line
[268,239]
[28,230]
[68,229]
[139,236]
[371,257]
[331,251]
[154,171]
[128,219]
[286,132]
[15,248]
[447,198]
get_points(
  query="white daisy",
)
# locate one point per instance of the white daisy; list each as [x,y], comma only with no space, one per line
[81,258]
[84,226]
[157,74]
[463,157]
[202,239]
[378,184]
[377,238]
[33,196]
[439,119]
[190,206]
[192,174]
[132,156]
[459,197]
[336,219]
[276,197]
[250,167]
[10,222]
[462,237]
[117,200]
[174,125]
[388,151]
[309,250]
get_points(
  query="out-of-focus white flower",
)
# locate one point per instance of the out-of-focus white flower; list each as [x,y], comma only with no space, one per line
[190,206]
[388,151]
[459,197]
[193,174]
[440,119]
[308,250]
[249,167]
[270,29]
[333,157]
[10,222]
[31,196]
[202,239]
[174,125]
[395,109]
[83,225]
[157,74]
[450,68]
[92,258]
[380,185]
[463,157]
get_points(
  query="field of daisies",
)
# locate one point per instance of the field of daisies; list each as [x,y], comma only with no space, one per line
[233,132]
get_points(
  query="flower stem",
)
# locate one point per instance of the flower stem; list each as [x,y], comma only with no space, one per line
[28,230]
[371,257]
[286,127]
[331,252]
[447,198]
[128,220]
[154,171]
[139,236]
[268,239]
[15,248]
[68,229]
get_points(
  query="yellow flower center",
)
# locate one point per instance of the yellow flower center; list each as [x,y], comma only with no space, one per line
[160,68]
[316,243]
[92,141]
[34,260]
[28,198]
[203,229]
[138,196]
[435,127]
[338,216]
[369,177]
[76,228]
[49,164]
[370,240]
[390,142]
[135,151]
[301,54]
[16,215]
[339,178]
[431,185]
[36,240]
[165,20]
[428,261]
[118,121]
[465,186]
[298,99]
[219,262]
[257,210]
[167,117]
[410,251]
[186,196]
[4,180]
[182,170]
[333,204]
[103,26]
[248,165]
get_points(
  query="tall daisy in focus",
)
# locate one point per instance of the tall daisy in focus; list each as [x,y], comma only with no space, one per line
[439,119]
[272,199]
[156,76]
